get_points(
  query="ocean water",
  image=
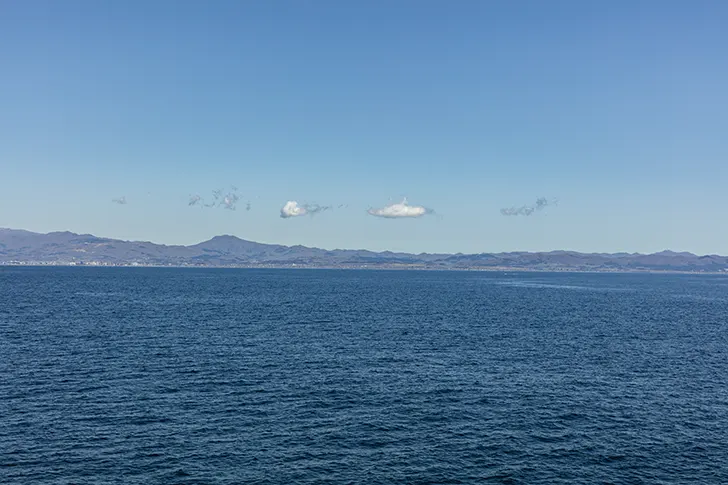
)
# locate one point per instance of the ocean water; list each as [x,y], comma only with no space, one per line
[197,376]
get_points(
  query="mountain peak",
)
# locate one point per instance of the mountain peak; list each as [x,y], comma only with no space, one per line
[227,243]
[225,237]
[668,252]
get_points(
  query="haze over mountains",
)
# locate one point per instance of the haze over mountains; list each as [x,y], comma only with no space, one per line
[25,247]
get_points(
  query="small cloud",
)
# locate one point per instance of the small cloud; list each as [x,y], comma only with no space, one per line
[315,208]
[247,206]
[400,210]
[219,199]
[229,201]
[120,200]
[527,210]
[293,209]
[517,211]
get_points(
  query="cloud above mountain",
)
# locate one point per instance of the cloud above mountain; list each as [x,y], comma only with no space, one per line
[294,209]
[227,200]
[230,201]
[400,210]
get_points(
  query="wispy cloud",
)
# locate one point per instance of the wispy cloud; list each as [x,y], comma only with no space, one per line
[121,200]
[229,201]
[219,199]
[400,210]
[527,210]
[293,209]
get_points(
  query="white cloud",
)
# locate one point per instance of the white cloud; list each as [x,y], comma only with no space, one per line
[293,209]
[399,210]
[120,200]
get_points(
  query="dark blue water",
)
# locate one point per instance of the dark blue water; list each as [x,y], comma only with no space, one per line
[168,376]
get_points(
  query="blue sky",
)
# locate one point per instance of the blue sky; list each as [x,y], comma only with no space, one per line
[617,109]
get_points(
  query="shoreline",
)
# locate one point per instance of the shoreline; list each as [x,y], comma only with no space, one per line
[363,268]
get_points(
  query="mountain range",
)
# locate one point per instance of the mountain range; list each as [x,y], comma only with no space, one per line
[25,247]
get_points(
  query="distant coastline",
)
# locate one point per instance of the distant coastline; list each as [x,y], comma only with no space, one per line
[25,248]
[364,268]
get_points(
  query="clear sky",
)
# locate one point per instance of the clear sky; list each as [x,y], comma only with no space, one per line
[618,109]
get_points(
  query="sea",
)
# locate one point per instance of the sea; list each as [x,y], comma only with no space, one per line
[248,376]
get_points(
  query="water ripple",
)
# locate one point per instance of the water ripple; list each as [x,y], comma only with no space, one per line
[142,376]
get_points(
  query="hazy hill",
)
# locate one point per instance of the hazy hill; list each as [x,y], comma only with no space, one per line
[18,246]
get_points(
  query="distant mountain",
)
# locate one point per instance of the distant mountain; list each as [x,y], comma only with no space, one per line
[25,247]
